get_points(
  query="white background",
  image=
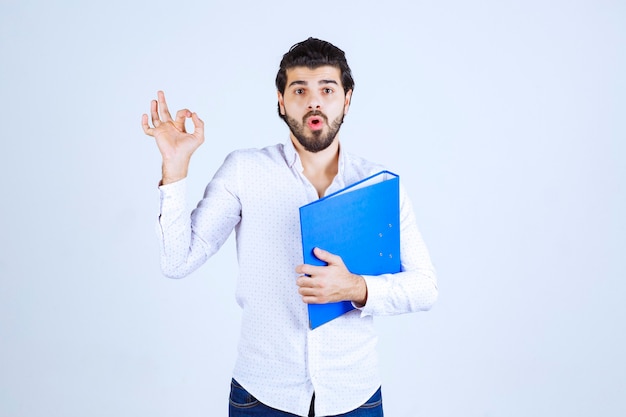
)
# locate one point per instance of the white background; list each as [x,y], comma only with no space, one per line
[505,120]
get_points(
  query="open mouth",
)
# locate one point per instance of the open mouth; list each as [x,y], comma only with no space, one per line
[315,122]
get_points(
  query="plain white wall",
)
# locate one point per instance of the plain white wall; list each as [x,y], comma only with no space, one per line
[505,120]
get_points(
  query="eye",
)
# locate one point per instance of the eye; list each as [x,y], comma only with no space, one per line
[328,90]
[299,91]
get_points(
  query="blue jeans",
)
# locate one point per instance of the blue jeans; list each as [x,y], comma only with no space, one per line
[243,404]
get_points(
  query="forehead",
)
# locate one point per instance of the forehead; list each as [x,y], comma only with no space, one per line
[314,75]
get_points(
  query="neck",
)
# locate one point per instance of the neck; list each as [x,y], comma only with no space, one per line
[320,168]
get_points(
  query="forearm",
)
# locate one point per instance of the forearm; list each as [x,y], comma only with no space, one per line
[404,292]
[181,251]
[413,289]
[187,241]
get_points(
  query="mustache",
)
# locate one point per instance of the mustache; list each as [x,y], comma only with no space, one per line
[315,113]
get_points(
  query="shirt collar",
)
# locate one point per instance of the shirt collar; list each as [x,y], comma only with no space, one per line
[292,158]
[291,155]
[293,161]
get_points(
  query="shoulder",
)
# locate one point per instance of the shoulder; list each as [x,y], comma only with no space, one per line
[254,162]
[256,155]
[247,167]
[358,167]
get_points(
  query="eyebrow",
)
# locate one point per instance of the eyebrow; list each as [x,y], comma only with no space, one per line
[320,82]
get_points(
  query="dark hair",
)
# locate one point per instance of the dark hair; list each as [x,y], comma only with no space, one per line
[314,53]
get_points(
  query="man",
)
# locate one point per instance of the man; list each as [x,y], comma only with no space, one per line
[283,368]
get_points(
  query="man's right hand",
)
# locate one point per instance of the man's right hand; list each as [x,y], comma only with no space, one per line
[175,143]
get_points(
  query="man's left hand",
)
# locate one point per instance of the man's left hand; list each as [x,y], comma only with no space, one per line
[330,283]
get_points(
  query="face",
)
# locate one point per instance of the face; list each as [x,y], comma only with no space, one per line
[314,105]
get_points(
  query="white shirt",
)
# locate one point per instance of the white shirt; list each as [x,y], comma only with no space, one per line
[258,192]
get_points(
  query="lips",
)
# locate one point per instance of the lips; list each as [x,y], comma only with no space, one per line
[315,122]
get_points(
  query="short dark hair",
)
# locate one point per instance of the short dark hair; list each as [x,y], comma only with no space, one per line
[314,53]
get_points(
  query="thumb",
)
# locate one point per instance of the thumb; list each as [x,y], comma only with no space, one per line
[326,256]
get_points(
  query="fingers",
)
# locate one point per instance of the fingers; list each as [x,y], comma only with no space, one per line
[315,291]
[159,113]
[311,271]
[181,115]
[154,113]
[155,106]
[144,124]
[164,111]
[198,125]
[306,269]
[306,282]
[309,289]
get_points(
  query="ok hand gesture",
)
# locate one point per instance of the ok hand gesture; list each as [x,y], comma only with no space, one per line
[174,142]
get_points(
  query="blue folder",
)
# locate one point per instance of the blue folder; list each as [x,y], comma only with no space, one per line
[360,223]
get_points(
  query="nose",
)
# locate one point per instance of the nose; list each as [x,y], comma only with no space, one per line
[314,102]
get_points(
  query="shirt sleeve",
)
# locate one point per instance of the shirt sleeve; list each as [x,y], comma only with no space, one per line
[412,289]
[187,241]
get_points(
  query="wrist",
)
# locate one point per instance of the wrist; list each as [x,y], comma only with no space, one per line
[171,179]
[173,172]
[360,291]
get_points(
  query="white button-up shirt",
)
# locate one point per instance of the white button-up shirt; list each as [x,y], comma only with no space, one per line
[258,192]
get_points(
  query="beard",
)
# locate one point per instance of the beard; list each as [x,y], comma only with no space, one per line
[316,140]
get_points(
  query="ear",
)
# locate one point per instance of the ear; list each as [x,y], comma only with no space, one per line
[281,103]
[346,104]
